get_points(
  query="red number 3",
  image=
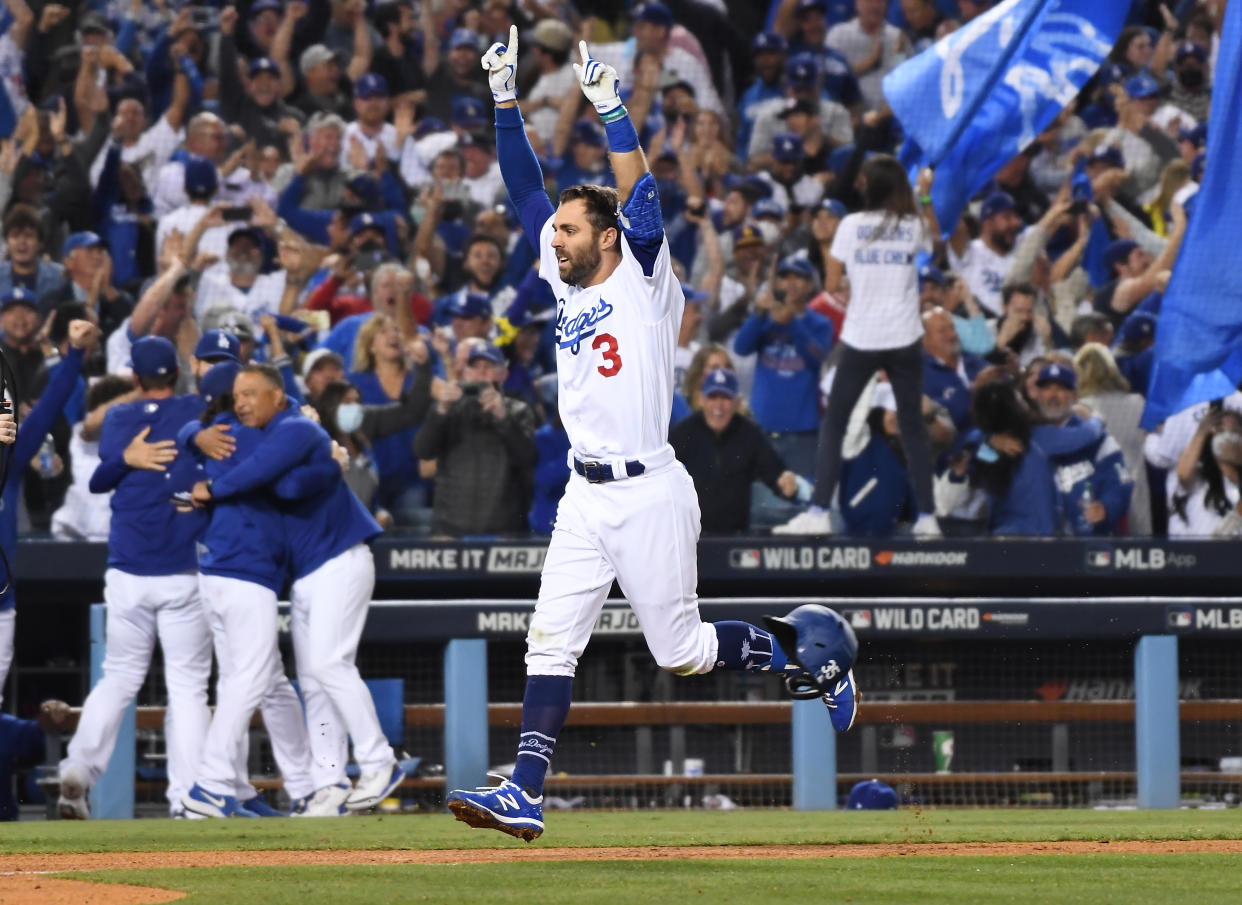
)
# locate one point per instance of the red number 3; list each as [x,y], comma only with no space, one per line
[610,354]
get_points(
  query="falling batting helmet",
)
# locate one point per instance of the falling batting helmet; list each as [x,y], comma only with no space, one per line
[817,639]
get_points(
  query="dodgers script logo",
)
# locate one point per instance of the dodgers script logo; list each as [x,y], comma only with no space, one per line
[570,332]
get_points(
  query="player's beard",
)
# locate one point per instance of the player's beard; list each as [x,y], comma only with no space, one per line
[580,265]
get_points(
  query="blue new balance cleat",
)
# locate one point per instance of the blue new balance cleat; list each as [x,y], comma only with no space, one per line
[506,807]
[200,801]
[842,702]
[260,808]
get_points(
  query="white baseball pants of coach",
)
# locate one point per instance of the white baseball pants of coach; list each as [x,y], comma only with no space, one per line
[643,531]
[8,623]
[242,616]
[141,608]
[329,608]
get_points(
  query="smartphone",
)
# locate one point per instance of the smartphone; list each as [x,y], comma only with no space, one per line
[366,261]
[239,214]
[472,387]
[698,211]
[1078,208]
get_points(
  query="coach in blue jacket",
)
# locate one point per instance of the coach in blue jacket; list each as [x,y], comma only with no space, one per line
[332,569]
[1093,485]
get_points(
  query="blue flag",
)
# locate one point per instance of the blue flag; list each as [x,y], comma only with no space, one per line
[978,96]
[1198,353]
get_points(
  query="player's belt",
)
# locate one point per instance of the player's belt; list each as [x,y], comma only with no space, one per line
[602,473]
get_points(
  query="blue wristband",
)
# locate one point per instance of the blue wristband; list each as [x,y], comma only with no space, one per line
[622,136]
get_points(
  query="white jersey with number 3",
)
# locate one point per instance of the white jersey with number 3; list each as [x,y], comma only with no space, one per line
[616,343]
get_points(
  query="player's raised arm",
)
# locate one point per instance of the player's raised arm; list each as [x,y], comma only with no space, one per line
[518,165]
[601,85]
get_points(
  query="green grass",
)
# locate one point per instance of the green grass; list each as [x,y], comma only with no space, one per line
[1096,879]
[603,828]
[1034,880]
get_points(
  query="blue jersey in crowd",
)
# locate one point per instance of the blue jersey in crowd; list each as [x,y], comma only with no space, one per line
[148,535]
[30,436]
[786,394]
[875,491]
[945,385]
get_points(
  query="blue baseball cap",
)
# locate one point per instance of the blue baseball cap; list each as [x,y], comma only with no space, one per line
[871,795]
[808,5]
[1137,327]
[797,265]
[363,222]
[470,304]
[584,132]
[366,188]
[1111,73]
[1109,154]
[84,239]
[429,125]
[486,351]
[371,84]
[468,112]
[218,345]
[18,296]
[1191,49]
[768,207]
[930,273]
[260,5]
[834,207]
[996,203]
[1055,373]
[463,37]
[802,70]
[656,13]
[769,42]
[1118,251]
[153,356]
[787,146]
[1142,86]
[693,295]
[218,380]
[264,64]
[1196,135]
[720,382]
[200,176]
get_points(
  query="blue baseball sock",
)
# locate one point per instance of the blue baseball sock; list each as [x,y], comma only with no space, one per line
[544,709]
[746,646]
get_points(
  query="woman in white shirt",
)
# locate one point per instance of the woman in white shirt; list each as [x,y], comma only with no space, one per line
[1206,502]
[878,249]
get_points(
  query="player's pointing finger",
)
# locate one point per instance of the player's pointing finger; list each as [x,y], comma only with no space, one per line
[586,53]
[513,41]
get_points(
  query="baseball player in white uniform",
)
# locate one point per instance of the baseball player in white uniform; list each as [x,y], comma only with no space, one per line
[630,511]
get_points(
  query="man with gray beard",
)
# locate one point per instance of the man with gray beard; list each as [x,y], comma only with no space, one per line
[243,286]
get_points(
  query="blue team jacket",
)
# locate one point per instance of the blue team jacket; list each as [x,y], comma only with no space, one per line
[875,490]
[148,536]
[321,516]
[944,385]
[1094,458]
[30,434]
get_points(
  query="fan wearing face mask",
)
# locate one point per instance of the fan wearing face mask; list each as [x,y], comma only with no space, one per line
[340,412]
[1206,502]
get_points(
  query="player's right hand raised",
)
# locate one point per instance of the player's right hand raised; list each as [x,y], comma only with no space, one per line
[500,62]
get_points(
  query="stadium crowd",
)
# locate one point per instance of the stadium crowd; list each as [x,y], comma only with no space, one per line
[315,185]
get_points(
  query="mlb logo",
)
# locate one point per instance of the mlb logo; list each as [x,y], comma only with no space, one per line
[1099,558]
[859,619]
[744,559]
[1180,618]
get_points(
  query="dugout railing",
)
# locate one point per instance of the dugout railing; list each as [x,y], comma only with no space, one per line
[812,781]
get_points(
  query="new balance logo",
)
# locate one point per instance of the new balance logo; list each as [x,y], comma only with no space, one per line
[841,688]
[507,801]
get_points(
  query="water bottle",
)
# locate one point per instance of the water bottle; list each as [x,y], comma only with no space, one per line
[1084,526]
[46,453]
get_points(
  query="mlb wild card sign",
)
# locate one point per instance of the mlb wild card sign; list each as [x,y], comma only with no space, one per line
[974,99]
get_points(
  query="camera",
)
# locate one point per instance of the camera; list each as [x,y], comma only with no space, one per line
[204,17]
[473,387]
[238,214]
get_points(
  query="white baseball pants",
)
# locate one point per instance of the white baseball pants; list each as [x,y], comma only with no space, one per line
[329,608]
[8,624]
[643,532]
[140,609]
[242,616]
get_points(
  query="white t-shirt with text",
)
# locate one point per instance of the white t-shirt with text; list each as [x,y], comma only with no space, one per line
[880,253]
